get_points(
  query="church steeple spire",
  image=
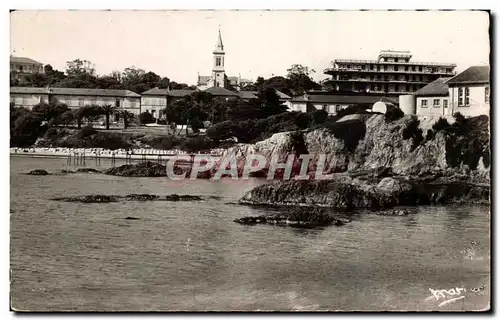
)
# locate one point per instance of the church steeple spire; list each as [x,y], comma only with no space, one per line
[219,47]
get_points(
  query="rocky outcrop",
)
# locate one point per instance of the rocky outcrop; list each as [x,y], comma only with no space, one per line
[132,197]
[88,170]
[304,217]
[151,169]
[382,146]
[145,169]
[402,212]
[141,197]
[90,199]
[38,172]
[344,192]
[177,198]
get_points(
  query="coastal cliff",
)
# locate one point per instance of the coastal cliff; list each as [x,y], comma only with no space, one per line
[381,144]
[390,164]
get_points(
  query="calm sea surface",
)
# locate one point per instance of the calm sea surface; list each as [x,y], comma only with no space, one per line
[192,256]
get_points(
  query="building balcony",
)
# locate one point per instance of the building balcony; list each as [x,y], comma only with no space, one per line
[377,62]
[357,70]
[381,81]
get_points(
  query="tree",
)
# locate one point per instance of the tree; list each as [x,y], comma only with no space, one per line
[78,67]
[270,103]
[108,82]
[91,113]
[299,79]
[107,110]
[126,116]
[259,82]
[297,69]
[146,118]
[78,116]
[132,79]
[27,128]
[66,118]
[47,112]
[164,83]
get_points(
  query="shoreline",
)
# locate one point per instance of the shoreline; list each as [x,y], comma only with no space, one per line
[92,153]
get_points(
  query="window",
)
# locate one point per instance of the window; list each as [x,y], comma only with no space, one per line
[396,60]
[413,68]
[445,103]
[117,102]
[423,104]
[378,68]
[406,68]
[395,68]
[338,108]
[463,96]
[325,107]
[436,103]
[371,67]
[487,94]
[80,102]
[420,68]
[460,96]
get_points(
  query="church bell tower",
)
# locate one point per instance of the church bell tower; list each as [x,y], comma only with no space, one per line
[218,73]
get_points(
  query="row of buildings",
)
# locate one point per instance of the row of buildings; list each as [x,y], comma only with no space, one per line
[467,92]
[423,88]
[152,101]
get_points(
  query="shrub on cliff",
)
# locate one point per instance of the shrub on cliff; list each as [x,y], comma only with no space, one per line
[393,114]
[319,116]
[430,135]
[351,132]
[441,124]
[414,132]
[467,141]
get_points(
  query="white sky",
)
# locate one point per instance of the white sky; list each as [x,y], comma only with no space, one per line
[178,44]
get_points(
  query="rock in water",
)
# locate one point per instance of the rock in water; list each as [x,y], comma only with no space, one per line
[141,197]
[38,172]
[402,212]
[88,170]
[145,169]
[305,217]
[89,199]
[176,198]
